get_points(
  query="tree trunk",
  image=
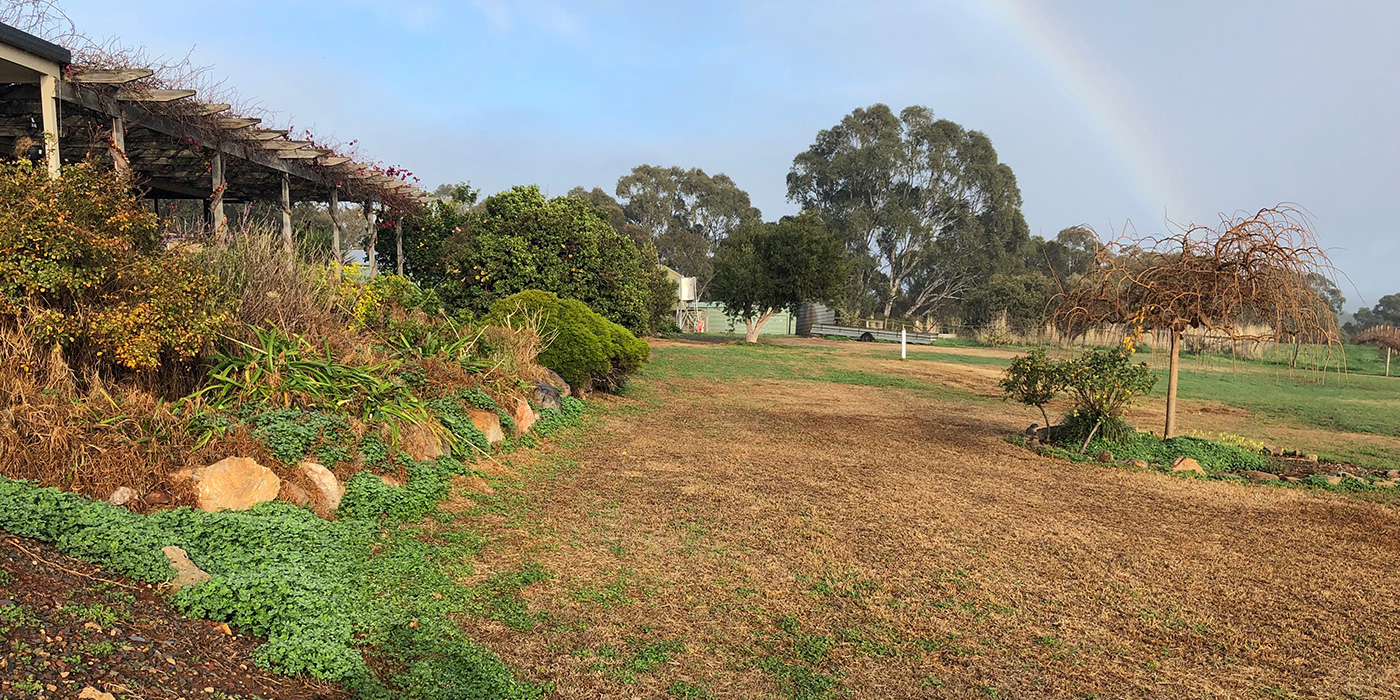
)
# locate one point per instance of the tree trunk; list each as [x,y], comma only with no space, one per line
[1171,384]
[335,230]
[753,324]
[372,240]
[398,244]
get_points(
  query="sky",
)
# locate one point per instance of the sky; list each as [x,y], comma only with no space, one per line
[1111,114]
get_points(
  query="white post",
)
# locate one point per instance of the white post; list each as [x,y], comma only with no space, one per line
[48,108]
[903,344]
[335,229]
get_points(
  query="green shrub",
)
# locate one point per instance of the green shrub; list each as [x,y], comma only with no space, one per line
[1034,380]
[1103,383]
[82,268]
[587,350]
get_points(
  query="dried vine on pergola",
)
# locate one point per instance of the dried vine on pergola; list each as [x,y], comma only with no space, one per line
[1246,272]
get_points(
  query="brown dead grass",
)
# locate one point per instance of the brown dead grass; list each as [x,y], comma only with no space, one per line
[719,508]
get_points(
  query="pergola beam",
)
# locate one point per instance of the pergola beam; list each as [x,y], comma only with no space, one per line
[111,77]
[155,95]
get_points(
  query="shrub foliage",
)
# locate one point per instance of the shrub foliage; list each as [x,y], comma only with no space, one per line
[587,350]
[82,268]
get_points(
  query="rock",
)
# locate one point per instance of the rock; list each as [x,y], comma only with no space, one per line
[523,415]
[1310,458]
[122,496]
[186,573]
[421,443]
[1105,456]
[1272,450]
[1139,463]
[236,483]
[1186,464]
[91,693]
[1384,483]
[1332,480]
[158,498]
[546,396]
[1393,474]
[390,480]
[1030,432]
[1259,477]
[552,378]
[1033,443]
[1292,479]
[295,495]
[329,490]
[489,423]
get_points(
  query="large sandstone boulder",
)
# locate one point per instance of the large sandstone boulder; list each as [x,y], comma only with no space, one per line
[236,483]
[489,423]
[421,443]
[1259,477]
[1186,464]
[328,489]
[186,573]
[523,415]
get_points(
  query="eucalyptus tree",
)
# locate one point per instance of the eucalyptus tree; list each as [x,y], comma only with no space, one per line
[686,213]
[923,200]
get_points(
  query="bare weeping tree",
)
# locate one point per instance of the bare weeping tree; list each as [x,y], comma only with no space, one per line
[1387,337]
[1246,272]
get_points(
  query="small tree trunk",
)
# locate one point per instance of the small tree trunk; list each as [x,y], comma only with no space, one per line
[398,245]
[1171,384]
[753,324]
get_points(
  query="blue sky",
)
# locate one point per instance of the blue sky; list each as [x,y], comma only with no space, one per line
[1108,112]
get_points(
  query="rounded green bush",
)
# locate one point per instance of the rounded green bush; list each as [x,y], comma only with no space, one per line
[585,349]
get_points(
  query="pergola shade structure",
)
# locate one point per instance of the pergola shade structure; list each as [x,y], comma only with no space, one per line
[168,140]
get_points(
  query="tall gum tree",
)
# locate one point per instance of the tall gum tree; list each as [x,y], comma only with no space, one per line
[686,213]
[1247,272]
[924,201]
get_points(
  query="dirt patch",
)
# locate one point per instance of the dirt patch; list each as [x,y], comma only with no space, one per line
[806,537]
[68,624]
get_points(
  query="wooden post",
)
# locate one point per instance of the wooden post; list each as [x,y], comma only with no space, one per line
[1171,384]
[372,237]
[1387,361]
[117,148]
[48,106]
[216,198]
[398,244]
[288,244]
[335,228]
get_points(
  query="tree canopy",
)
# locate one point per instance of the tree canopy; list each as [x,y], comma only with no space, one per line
[519,240]
[685,213]
[924,205]
[761,269]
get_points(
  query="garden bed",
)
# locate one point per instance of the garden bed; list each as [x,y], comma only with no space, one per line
[70,625]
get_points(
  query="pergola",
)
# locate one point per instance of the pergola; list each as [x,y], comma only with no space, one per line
[173,144]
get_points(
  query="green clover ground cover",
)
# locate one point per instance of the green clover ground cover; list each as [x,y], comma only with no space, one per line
[325,593]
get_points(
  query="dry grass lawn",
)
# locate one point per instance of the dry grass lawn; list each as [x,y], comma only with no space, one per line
[807,539]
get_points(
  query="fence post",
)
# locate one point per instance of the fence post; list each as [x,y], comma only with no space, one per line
[903,344]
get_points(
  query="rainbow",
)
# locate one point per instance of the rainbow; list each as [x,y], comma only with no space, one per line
[1103,96]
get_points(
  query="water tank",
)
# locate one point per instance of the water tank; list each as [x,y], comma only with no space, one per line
[685,288]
